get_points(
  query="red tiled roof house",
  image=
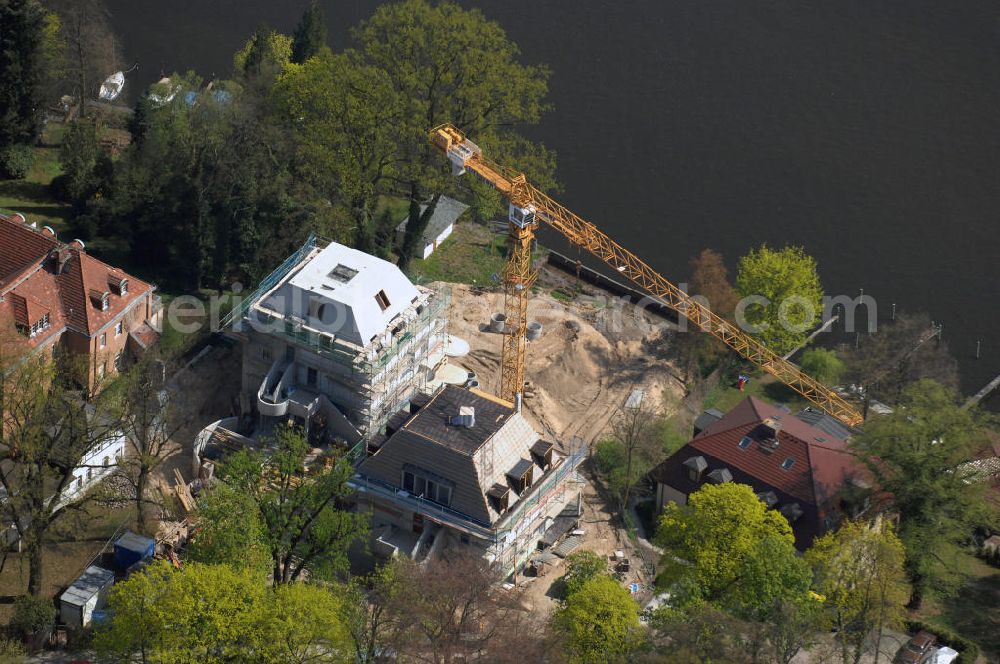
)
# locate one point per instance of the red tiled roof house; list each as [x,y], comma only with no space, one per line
[804,471]
[53,295]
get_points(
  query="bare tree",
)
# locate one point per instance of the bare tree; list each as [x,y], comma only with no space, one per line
[47,432]
[151,416]
[899,354]
[453,609]
[635,427]
[90,51]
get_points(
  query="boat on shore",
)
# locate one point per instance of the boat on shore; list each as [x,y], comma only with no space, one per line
[112,86]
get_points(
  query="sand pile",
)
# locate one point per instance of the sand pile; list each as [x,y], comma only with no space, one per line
[589,358]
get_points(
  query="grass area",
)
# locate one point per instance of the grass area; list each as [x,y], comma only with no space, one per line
[471,255]
[62,561]
[725,395]
[974,612]
[188,318]
[31,196]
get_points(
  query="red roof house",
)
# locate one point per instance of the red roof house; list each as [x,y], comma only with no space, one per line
[54,294]
[795,467]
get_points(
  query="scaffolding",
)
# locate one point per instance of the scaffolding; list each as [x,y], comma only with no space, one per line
[385,373]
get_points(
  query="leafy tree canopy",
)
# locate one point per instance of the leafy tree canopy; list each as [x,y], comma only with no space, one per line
[918,454]
[310,34]
[822,364]
[788,280]
[716,544]
[600,621]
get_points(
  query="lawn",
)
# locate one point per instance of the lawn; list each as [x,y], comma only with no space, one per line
[725,395]
[975,611]
[471,255]
[31,196]
[63,561]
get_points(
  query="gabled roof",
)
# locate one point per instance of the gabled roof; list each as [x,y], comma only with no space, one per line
[446,213]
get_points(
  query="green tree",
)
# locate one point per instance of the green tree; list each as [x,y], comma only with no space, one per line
[347,130]
[22,26]
[266,54]
[600,622]
[787,281]
[230,531]
[449,64]
[859,574]
[306,525]
[716,539]
[78,156]
[31,614]
[918,454]
[370,612]
[213,613]
[581,567]
[304,624]
[822,364]
[310,34]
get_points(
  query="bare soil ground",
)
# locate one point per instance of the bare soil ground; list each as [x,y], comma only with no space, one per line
[592,353]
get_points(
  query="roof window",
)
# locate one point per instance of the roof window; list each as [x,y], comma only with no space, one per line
[342,273]
[788,463]
[382,299]
[744,443]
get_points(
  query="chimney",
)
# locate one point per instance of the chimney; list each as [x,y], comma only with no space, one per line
[466,417]
[517,402]
[61,258]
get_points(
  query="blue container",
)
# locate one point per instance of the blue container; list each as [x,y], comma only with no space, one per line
[131,548]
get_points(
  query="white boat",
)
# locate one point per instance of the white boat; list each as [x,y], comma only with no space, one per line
[112,86]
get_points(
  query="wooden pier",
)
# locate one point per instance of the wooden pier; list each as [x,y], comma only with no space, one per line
[983,393]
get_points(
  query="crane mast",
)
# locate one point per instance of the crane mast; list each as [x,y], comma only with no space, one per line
[529,207]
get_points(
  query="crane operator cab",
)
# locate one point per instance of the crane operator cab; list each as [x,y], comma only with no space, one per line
[522,217]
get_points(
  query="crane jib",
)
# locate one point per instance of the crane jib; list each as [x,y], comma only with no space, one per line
[466,156]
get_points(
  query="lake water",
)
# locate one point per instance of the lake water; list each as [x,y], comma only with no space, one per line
[865,130]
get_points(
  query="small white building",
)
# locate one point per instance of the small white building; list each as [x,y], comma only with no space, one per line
[88,593]
[96,465]
[440,226]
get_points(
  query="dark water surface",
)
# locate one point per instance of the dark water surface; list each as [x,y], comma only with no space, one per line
[867,131]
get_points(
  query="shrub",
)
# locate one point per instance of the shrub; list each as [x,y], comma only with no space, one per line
[16,161]
[11,652]
[968,650]
[609,456]
[32,614]
[581,567]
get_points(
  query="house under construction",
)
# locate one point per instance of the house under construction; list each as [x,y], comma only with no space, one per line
[462,468]
[337,340]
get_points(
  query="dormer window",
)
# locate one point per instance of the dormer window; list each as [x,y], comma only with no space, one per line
[40,325]
[100,299]
[499,498]
[720,476]
[696,467]
[520,475]
[541,452]
[119,285]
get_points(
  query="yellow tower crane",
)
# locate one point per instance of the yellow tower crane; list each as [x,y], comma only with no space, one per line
[529,207]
